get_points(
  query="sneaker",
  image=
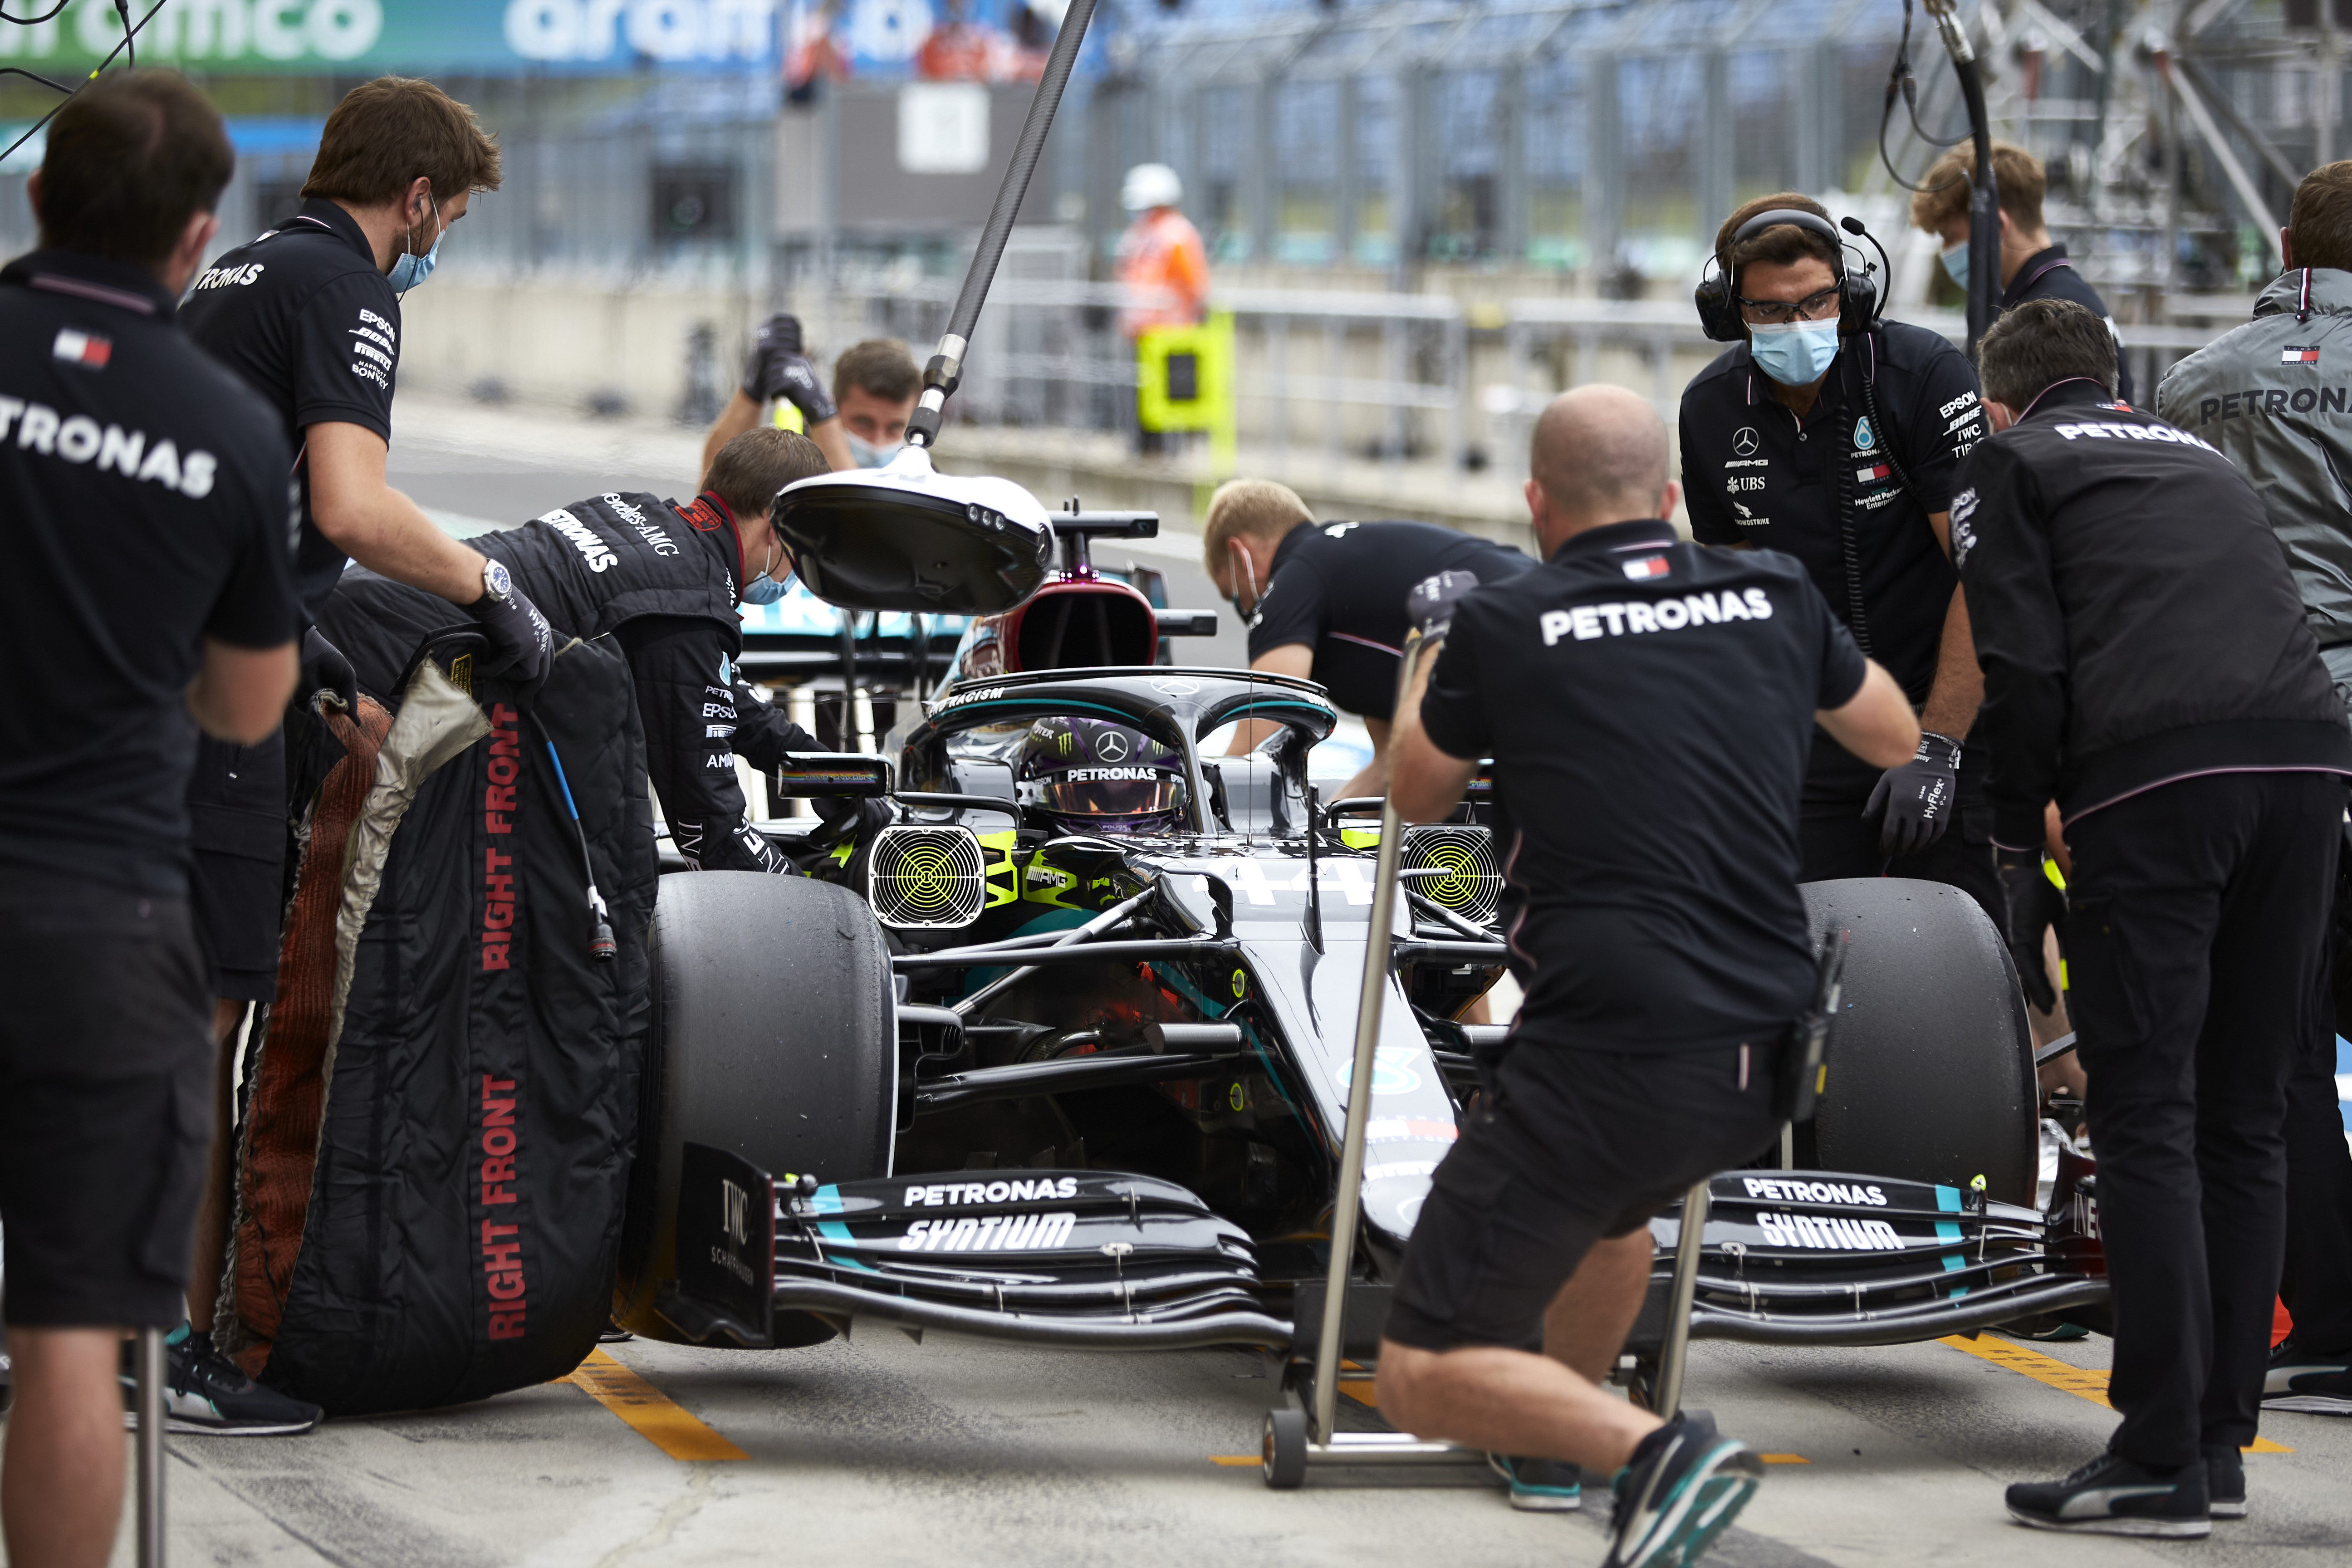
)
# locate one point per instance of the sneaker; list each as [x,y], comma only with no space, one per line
[2112,1496]
[205,1392]
[1682,1489]
[2312,1384]
[1540,1486]
[2225,1480]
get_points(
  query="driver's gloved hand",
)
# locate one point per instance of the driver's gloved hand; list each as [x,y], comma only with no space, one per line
[523,645]
[2034,904]
[1430,606]
[325,669]
[1918,796]
[777,368]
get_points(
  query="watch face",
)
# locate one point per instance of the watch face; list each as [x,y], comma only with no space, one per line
[496,579]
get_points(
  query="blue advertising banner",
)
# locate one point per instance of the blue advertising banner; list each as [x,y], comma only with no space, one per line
[361,37]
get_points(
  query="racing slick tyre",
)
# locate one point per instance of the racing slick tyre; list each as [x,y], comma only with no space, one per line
[1931,1063]
[1283,1447]
[772,1037]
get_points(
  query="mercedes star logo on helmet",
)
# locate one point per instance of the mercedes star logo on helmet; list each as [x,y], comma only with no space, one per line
[1111,746]
[1743,441]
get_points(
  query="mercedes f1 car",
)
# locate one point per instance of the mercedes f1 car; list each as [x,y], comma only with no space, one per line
[1062,1055]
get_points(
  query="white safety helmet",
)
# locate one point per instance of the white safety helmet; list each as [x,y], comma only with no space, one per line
[1150,185]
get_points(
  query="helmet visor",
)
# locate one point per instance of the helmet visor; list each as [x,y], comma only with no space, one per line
[1085,792]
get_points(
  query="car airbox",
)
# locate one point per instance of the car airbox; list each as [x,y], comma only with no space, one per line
[908,536]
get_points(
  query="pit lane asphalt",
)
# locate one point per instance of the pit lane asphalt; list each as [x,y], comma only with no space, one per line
[880,1451]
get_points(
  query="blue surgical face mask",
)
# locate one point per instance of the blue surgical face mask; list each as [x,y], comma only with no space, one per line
[866,455]
[409,270]
[760,588]
[1796,353]
[1955,263]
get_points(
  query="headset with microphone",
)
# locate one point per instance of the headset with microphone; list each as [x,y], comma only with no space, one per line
[1859,303]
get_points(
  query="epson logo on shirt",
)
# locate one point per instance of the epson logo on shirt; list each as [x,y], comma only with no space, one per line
[584,539]
[79,438]
[1585,622]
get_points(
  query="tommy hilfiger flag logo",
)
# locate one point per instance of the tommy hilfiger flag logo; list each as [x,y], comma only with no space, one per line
[82,348]
[2292,354]
[1648,567]
[1873,471]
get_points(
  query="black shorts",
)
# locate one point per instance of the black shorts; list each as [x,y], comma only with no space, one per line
[237,884]
[105,1103]
[1576,1145]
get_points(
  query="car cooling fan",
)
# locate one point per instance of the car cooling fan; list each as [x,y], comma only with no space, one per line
[927,878]
[1454,868]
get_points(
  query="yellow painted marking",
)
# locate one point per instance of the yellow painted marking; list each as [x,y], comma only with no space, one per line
[1237,1460]
[650,1412]
[2083,1382]
[1361,1390]
[1784,1458]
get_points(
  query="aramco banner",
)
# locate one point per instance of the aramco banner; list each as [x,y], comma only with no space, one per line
[495,37]
[802,39]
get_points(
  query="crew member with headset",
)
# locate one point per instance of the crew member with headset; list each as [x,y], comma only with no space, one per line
[2032,265]
[1658,926]
[1326,602]
[309,314]
[2146,666]
[664,579]
[149,594]
[1832,434]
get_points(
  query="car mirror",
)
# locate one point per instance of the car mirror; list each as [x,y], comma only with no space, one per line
[833,773]
[908,536]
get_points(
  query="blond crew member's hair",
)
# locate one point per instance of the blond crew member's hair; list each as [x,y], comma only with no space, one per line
[1259,508]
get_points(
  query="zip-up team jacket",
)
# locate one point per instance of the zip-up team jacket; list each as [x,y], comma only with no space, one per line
[2135,620]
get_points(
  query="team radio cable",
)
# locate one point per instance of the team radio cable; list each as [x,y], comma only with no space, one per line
[126,49]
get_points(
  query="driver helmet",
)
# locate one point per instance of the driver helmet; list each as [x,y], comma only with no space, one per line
[1087,775]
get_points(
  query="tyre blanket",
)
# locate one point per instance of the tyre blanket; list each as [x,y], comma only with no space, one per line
[431,1166]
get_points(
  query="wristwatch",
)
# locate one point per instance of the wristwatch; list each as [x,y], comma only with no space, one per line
[498,584]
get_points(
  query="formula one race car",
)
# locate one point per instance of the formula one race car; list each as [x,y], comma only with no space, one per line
[1062,1054]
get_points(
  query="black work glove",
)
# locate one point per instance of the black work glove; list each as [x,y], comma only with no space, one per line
[849,817]
[326,670]
[777,368]
[2035,905]
[523,645]
[1430,606]
[1918,796]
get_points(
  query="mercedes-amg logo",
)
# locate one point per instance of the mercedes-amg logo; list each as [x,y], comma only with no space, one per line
[1112,748]
[1743,441]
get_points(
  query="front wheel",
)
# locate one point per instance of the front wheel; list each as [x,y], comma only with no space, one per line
[773,1038]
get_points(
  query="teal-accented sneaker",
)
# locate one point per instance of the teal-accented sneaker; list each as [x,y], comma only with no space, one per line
[2112,1496]
[1682,1488]
[206,1393]
[1540,1486]
[2311,1385]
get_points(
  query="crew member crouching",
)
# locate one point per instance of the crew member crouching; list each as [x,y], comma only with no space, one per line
[1656,925]
[663,580]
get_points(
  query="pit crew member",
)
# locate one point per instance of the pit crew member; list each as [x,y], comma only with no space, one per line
[309,315]
[1326,602]
[149,594]
[2146,666]
[1656,925]
[663,579]
[2271,395]
[875,386]
[2033,267]
[1832,436]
